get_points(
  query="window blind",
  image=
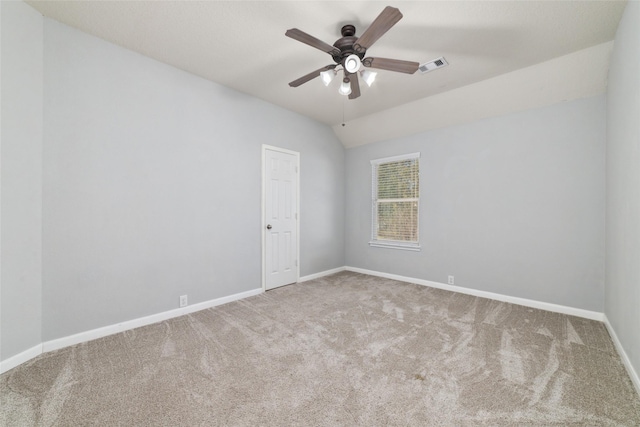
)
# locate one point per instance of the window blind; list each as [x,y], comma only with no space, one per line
[396,192]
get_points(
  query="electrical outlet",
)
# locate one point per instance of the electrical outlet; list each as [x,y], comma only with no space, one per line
[183,300]
[451,280]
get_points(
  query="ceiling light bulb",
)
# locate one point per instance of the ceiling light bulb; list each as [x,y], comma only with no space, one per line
[368,76]
[327,76]
[345,87]
[352,63]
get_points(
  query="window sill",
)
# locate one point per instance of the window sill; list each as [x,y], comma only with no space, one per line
[396,245]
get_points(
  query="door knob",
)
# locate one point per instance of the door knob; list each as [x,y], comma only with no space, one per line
[269,227]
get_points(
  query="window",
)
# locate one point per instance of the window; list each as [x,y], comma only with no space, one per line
[395,202]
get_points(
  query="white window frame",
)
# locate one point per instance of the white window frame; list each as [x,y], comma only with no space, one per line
[393,244]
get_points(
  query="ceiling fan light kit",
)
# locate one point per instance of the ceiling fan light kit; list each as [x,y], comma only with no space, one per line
[327,76]
[349,51]
[352,64]
[368,76]
[345,87]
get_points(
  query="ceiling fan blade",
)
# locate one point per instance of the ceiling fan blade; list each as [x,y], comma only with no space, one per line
[398,65]
[387,19]
[355,86]
[312,75]
[303,37]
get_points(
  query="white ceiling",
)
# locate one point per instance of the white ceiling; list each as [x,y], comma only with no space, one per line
[241,44]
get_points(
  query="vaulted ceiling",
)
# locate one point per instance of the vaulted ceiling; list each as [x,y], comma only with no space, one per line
[242,45]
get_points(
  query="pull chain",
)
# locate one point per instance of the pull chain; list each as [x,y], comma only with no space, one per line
[343,124]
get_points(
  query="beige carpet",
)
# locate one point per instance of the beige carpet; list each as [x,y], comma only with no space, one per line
[347,349]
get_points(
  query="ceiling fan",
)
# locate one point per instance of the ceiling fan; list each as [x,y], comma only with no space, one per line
[349,51]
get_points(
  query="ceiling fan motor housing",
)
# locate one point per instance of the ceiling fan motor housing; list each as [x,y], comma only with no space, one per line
[345,44]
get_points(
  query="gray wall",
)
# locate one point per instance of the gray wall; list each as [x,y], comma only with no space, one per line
[152,185]
[622,290]
[512,205]
[21,180]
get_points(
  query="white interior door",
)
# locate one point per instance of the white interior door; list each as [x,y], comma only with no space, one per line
[280,217]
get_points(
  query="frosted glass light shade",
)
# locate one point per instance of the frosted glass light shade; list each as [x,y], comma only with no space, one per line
[352,64]
[327,76]
[345,87]
[368,76]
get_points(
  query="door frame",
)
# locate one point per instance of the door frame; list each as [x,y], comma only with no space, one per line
[263,213]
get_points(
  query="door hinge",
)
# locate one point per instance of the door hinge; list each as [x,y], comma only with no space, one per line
[296,263]
[296,214]
[296,169]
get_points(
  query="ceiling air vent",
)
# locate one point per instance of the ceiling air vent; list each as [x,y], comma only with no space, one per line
[432,65]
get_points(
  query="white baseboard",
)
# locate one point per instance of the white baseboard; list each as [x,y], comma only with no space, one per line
[93,334]
[142,321]
[594,315]
[20,358]
[321,274]
[81,337]
[623,355]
